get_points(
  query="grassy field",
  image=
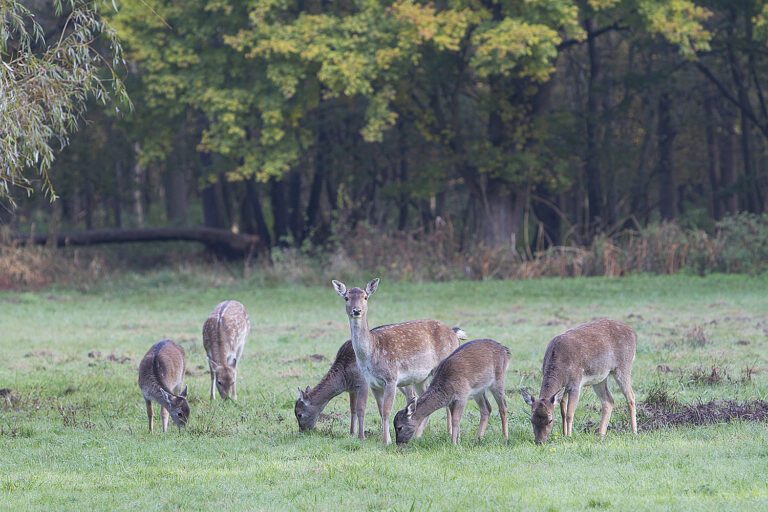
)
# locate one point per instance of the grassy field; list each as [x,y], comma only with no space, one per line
[74,435]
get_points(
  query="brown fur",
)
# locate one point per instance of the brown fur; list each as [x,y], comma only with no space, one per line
[344,375]
[595,349]
[161,373]
[394,355]
[224,335]
[473,368]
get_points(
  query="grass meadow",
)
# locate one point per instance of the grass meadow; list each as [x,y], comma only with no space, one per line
[73,427]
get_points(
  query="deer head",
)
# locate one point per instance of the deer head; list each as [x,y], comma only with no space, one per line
[225,379]
[356,298]
[306,412]
[542,413]
[405,425]
[179,407]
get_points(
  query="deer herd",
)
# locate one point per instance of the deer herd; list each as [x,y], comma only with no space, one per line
[425,359]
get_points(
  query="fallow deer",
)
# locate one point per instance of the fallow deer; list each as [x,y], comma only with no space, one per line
[344,375]
[161,373]
[582,356]
[224,335]
[472,369]
[394,355]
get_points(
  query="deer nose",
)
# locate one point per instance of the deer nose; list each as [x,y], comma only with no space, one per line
[356,311]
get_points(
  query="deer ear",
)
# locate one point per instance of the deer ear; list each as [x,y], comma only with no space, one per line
[306,391]
[165,395]
[411,407]
[301,394]
[372,286]
[557,396]
[340,287]
[184,392]
[527,398]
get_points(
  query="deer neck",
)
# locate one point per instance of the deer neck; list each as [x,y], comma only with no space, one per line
[432,400]
[330,386]
[362,338]
[551,384]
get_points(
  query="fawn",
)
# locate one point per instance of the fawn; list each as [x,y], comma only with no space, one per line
[344,375]
[472,369]
[394,355]
[224,335]
[160,371]
[582,356]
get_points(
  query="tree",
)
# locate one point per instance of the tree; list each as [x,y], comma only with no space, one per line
[46,79]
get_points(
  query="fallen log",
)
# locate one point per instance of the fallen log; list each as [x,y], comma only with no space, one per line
[221,241]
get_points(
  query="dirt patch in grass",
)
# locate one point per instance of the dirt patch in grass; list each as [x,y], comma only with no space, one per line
[314,358]
[114,358]
[662,410]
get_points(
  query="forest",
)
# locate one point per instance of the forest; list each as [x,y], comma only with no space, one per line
[522,124]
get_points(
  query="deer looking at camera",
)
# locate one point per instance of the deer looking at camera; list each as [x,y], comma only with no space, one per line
[161,371]
[584,356]
[474,368]
[344,375]
[394,355]
[224,335]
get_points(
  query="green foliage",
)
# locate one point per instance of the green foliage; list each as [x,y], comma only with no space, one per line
[744,240]
[45,85]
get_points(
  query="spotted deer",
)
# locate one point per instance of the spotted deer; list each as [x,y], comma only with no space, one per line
[344,375]
[394,355]
[584,356]
[224,335]
[472,369]
[161,373]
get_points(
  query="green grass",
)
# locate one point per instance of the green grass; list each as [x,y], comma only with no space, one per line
[77,438]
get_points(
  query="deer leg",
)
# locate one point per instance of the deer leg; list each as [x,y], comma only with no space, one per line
[457,409]
[150,414]
[606,406]
[624,380]
[573,401]
[501,401]
[563,412]
[450,423]
[388,399]
[362,398]
[164,414]
[485,413]
[352,411]
[213,381]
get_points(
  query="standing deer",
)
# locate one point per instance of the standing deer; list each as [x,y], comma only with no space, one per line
[583,356]
[394,355]
[474,368]
[160,371]
[344,375]
[224,335]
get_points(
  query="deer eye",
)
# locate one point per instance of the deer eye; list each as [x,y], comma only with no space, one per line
[300,415]
[549,422]
[346,299]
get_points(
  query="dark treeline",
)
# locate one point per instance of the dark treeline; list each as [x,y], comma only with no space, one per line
[534,123]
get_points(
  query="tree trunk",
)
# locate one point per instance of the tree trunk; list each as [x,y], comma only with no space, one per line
[403,200]
[665,139]
[296,217]
[502,211]
[138,180]
[592,154]
[117,207]
[176,194]
[279,211]
[257,212]
[713,158]
[727,163]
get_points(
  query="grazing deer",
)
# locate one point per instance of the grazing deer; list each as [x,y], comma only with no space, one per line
[582,356]
[160,371]
[394,355]
[344,375]
[474,368]
[224,335]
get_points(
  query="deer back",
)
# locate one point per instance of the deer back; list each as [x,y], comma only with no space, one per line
[225,332]
[162,368]
[415,342]
[588,351]
[473,366]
